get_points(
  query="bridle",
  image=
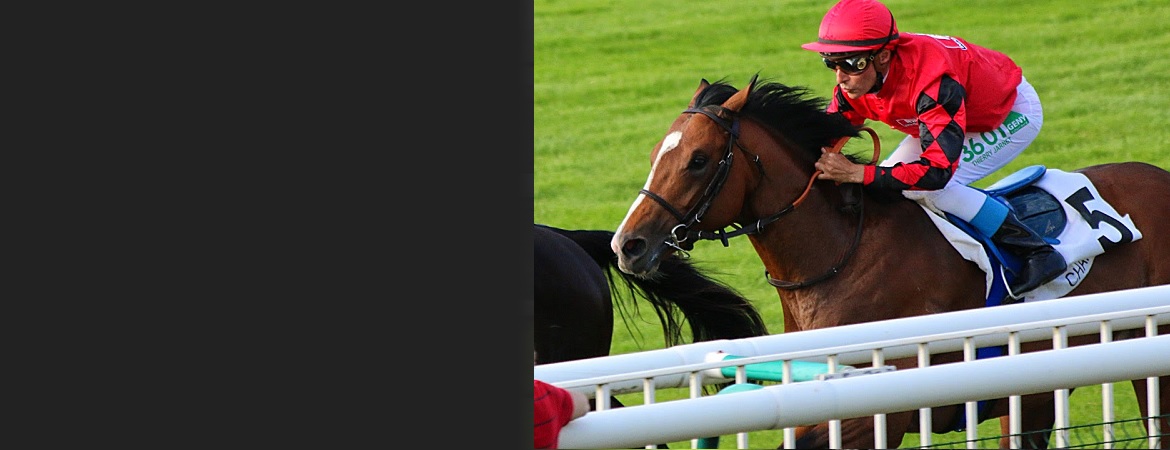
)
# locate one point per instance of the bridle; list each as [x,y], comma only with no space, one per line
[682,232]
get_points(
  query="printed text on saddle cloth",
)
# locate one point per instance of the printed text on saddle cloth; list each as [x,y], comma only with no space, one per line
[1093,228]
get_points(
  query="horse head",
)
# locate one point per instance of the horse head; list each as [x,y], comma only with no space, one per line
[707,169]
[694,183]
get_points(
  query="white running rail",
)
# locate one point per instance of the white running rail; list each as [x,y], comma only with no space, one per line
[1141,310]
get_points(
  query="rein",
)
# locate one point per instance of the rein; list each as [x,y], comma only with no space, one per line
[856,235]
[682,232]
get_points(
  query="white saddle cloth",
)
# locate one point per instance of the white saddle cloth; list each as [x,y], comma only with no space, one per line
[1079,242]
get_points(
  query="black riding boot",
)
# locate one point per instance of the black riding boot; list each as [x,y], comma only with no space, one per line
[1041,264]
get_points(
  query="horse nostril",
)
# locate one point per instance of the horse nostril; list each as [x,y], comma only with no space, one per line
[634,247]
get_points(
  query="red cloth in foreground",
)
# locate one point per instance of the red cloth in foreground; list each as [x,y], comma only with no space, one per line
[552,408]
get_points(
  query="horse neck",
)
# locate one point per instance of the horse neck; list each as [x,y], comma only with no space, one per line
[783,171]
[811,237]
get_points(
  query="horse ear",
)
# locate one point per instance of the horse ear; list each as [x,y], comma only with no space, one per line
[740,98]
[702,85]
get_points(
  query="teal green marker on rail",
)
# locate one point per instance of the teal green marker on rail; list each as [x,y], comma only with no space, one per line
[774,370]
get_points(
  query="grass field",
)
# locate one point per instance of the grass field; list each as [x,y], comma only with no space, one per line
[609,77]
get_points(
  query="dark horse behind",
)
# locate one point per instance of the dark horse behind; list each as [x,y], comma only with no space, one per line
[577,286]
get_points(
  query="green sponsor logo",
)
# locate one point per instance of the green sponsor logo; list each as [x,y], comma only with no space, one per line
[1015,121]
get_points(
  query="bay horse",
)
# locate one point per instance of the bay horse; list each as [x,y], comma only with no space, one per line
[839,254]
[576,286]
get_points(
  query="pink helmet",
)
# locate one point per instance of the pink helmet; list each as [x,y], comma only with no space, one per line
[854,26]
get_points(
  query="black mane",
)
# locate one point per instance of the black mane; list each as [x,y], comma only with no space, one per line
[797,115]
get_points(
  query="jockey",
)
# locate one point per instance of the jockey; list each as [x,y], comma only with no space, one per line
[967,111]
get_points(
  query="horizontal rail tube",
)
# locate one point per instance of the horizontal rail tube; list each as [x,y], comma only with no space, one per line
[951,322]
[790,405]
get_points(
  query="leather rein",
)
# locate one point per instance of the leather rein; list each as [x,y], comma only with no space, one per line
[683,231]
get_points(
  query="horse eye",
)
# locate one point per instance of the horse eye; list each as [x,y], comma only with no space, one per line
[698,162]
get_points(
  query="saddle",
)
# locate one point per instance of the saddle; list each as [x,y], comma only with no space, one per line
[1064,208]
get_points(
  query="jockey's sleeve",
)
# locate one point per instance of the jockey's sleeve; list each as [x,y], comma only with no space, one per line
[942,123]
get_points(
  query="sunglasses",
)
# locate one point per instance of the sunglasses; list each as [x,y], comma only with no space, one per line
[852,66]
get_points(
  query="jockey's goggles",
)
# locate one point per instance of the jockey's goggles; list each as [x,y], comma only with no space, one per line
[851,66]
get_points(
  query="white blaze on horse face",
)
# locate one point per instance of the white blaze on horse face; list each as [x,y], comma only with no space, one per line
[668,143]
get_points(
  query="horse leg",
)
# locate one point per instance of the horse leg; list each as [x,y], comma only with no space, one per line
[1036,418]
[1005,430]
[1036,421]
[1028,439]
[859,432]
[855,433]
[1140,390]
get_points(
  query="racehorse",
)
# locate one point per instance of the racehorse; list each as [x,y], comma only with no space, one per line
[839,254]
[576,282]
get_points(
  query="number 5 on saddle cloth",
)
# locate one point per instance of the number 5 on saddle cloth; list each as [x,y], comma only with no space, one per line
[1064,208]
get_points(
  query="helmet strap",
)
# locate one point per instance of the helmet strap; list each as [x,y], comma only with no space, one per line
[877,84]
[881,77]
